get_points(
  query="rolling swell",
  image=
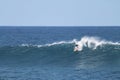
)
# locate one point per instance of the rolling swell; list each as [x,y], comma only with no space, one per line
[59,55]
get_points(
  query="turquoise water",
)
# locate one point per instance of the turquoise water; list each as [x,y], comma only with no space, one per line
[46,53]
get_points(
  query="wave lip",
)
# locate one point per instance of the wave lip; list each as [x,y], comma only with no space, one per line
[92,42]
[50,44]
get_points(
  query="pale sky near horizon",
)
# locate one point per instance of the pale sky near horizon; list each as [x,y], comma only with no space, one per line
[59,12]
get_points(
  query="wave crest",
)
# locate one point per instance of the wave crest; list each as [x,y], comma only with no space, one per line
[50,44]
[86,41]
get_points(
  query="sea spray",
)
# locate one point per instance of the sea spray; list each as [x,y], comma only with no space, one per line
[92,43]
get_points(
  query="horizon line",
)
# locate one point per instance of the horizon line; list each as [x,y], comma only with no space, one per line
[56,26]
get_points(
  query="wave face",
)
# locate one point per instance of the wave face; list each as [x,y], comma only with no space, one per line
[92,52]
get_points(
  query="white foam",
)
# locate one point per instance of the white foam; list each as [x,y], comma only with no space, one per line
[86,41]
[92,42]
[50,44]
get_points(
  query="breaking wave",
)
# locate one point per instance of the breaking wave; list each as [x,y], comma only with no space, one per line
[92,42]
[92,52]
[79,45]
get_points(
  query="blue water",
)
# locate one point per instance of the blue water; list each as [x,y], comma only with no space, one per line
[26,55]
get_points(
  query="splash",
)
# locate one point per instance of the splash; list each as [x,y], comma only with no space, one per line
[92,42]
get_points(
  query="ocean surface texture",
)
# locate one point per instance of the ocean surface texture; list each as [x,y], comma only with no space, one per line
[47,53]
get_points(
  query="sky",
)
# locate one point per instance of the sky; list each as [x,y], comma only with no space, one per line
[59,12]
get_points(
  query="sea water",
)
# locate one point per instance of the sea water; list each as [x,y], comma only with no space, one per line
[47,53]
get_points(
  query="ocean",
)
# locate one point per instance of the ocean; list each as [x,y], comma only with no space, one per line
[47,53]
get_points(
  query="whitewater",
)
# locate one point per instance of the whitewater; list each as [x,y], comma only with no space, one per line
[86,41]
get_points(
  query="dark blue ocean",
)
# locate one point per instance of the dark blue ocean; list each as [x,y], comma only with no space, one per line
[47,53]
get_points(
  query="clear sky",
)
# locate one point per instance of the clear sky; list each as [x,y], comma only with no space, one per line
[60,12]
